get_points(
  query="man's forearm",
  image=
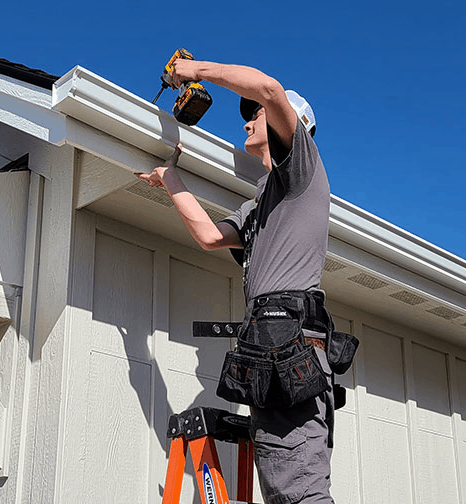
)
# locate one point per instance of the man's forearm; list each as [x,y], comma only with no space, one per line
[194,217]
[248,83]
[243,80]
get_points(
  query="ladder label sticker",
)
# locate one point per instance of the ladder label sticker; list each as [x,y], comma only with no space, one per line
[209,489]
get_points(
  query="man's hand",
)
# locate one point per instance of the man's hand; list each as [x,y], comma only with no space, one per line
[199,224]
[156,178]
[184,71]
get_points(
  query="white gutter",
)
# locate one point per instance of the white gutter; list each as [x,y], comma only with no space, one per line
[110,108]
[383,239]
[104,106]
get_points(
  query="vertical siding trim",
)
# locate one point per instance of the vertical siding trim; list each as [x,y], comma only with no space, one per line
[455,405]
[410,391]
[361,402]
[28,321]
[72,436]
[159,450]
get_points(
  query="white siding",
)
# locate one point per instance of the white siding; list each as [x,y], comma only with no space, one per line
[133,360]
[461,422]
[14,189]
[400,438]
[345,469]
[435,453]
[386,462]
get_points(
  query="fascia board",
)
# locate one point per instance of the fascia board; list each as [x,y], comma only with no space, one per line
[110,108]
[28,108]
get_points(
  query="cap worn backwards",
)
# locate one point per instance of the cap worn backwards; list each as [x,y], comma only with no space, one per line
[302,108]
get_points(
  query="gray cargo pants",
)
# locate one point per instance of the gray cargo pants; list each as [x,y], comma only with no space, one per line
[292,449]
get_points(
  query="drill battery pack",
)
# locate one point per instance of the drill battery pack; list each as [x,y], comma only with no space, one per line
[191,104]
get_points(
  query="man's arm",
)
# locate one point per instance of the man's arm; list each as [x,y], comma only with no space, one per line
[247,82]
[207,234]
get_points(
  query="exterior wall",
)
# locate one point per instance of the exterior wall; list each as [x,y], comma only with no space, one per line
[14,189]
[401,436]
[35,243]
[132,362]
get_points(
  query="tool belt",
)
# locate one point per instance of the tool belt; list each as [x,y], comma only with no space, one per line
[275,363]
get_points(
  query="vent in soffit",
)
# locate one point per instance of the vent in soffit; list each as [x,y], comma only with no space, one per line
[156,194]
[408,297]
[445,313]
[368,281]
[160,196]
[213,213]
[331,265]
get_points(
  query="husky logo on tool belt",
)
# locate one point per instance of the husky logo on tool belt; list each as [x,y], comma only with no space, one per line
[275,314]
[209,490]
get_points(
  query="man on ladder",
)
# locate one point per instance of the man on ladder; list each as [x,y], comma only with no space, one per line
[281,240]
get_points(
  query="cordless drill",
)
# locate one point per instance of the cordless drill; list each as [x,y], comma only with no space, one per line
[193,99]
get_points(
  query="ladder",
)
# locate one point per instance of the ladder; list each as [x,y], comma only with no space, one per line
[197,429]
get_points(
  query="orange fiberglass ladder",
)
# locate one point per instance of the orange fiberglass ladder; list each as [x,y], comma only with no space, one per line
[197,429]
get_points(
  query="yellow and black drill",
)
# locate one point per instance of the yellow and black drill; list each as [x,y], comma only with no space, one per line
[193,99]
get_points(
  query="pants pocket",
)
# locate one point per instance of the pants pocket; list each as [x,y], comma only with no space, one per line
[280,462]
[245,380]
[301,377]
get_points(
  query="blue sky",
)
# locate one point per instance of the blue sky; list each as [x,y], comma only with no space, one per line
[387,81]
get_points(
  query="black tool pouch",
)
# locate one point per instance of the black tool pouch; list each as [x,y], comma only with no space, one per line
[271,366]
[301,377]
[341,349]
[245,379]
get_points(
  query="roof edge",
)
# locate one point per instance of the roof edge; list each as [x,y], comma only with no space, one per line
[26,74]
[110,108]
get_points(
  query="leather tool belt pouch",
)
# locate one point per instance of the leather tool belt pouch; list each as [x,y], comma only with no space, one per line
[271,366]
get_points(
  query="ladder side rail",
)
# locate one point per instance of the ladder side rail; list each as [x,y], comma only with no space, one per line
[208,470]
[175,470]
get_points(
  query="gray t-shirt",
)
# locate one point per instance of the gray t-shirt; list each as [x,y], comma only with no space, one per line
[284,231]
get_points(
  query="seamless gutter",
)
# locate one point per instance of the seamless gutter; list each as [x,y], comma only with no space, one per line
[105,106]
[370,233]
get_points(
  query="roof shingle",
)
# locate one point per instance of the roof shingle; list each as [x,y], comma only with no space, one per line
[26,74]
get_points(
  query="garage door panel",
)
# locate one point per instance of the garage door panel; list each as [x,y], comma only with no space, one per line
[196,294]
[384,376]
[122,299]
[435,462]
[431,390]
[345,478]
[386,464]
[117,434]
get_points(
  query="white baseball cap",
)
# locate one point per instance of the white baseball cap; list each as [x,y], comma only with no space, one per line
[303,110]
